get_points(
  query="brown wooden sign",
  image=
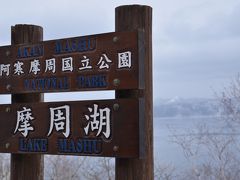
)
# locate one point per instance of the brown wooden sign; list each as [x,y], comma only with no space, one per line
[93,128]
[96,62]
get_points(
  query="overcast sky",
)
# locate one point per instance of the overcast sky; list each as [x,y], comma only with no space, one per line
[195,42]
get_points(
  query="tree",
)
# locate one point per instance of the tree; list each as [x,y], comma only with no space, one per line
[214,153]
[63,167]
[164,171]
[4,167]
[78,168]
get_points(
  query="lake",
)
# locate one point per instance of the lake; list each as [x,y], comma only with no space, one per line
[167,152]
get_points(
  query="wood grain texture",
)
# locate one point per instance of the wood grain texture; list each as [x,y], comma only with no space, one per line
[137,17]
[26,167]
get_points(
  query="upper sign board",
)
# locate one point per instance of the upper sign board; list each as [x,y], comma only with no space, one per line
[97,62]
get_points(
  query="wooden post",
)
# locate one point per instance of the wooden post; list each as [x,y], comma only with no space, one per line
[27,166]
[136,17]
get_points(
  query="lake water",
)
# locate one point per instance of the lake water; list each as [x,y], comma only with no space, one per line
[167,152]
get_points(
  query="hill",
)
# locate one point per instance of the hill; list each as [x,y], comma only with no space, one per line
[178,107]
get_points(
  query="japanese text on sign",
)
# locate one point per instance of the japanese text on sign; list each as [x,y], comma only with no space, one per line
[98,120]
[124,61]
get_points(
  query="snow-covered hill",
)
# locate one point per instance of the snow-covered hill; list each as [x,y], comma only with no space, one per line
[177,107]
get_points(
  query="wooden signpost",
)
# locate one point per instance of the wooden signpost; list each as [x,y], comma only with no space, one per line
[129,18]
[26,166]
[120,128]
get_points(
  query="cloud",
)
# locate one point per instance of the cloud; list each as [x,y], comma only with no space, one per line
[58,18]
[192,40]
[204,22]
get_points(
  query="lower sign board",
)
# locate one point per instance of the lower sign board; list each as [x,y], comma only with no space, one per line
[108,128]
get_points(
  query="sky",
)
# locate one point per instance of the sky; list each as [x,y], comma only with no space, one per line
[195,42]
